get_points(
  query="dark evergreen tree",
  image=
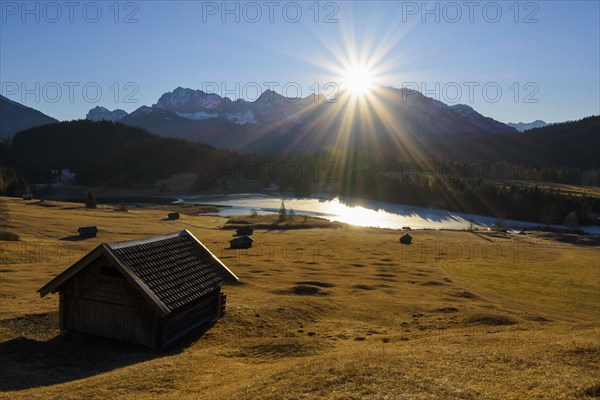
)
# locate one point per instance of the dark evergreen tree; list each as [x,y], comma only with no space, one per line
[90,200]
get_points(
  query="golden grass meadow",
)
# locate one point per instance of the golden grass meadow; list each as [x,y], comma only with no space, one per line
[333,312]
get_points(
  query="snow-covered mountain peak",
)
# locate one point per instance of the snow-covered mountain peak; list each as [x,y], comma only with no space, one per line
[189,101]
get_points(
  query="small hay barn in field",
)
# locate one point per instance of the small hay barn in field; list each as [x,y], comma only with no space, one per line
[149,292]
[406,239]
[87,231]
[241,242]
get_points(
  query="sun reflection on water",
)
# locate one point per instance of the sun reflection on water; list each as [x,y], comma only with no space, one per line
[356,212]
[357,215]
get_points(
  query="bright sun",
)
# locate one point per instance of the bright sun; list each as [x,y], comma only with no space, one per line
[358,80]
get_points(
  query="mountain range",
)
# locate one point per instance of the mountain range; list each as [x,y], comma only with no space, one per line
[274,123]
[102,114]
[524,126]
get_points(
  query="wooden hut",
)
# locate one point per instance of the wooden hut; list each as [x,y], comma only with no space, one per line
[173,215]
[149,292]
[241,242]
[245,230]
[406,239]
[27,196]
[87,231]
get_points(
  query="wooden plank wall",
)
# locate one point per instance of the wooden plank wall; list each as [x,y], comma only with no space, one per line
[106,305]
[98,301]
[203,311]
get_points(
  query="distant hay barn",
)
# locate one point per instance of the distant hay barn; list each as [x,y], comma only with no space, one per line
[245,230]
[173,215]
[241,242]
[406,239]
[149,292]
[27,196]
[87,231]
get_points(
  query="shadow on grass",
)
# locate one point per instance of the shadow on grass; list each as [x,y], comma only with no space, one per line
[29,363]
[76,238]
[41,203]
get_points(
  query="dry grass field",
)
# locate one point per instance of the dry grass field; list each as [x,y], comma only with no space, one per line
[563,188]
[330,312]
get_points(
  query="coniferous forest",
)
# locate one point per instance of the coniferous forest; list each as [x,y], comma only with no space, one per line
[121,156]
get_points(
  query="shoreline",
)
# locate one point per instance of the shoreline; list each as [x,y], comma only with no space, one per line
[150,200]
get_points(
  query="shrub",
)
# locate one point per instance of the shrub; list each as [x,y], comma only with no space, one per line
[90,200]
[282,212]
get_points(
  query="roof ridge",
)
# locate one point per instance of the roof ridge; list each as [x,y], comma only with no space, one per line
[170,270]
[152,239]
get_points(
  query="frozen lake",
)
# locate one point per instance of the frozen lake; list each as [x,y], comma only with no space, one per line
[356,212]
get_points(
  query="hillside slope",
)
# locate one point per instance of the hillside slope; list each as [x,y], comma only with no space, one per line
[15,117]
[352,315]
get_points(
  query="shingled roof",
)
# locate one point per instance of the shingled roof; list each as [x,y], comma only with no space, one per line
[171,270]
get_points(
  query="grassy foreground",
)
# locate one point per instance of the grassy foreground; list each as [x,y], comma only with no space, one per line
[330,312]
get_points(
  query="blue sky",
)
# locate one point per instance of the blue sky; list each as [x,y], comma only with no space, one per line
[543,56]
